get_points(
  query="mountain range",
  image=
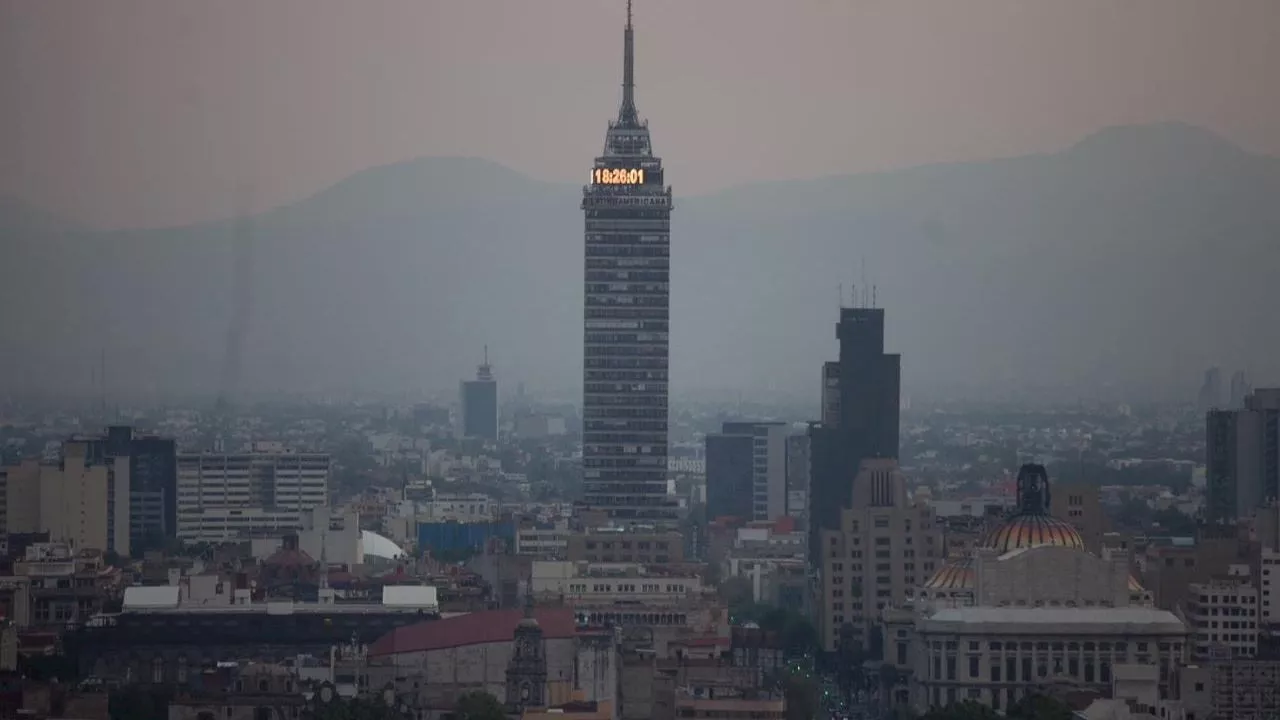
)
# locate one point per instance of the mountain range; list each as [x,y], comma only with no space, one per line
[1126,263]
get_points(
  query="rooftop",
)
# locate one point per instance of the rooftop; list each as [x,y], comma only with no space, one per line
[166,599]
[1118,621]
[477,628]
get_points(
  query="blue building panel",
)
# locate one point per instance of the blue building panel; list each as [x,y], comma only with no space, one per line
[451,536]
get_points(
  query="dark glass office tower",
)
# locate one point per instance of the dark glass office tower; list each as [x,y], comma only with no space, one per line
[480,403]
[868,385]
[626,315]
[153,483]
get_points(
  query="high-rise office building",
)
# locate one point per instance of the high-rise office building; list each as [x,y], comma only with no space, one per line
[627,209]
[730,470]
[867,383]
[1240,390]
[1242,449]
[480,403]
[153,483]
[747,471]
[222,496]
[1210,397]
[768,466]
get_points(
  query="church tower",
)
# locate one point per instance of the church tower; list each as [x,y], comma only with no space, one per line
[527,670]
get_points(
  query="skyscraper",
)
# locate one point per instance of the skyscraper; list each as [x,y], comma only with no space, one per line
[625,321]
[1242,457]
[480,403]
[1210,397]
[730,476]
[867,384]
[747,471]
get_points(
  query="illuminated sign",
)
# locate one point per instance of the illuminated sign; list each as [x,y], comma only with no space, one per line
[617,176]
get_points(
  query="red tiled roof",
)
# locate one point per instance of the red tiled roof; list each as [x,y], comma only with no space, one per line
[476,628]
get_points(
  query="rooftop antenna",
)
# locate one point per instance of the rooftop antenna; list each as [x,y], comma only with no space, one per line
[627,114]
[102,377]
[873,296]
[864,281]
[841,291]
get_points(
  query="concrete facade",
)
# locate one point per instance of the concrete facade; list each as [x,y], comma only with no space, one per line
[885,547]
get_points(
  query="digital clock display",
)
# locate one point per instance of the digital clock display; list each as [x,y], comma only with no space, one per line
[617,176]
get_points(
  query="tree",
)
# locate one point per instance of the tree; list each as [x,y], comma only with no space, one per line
[967,710]
[738,595]
[1172,521]
[478,705]
[1040,707]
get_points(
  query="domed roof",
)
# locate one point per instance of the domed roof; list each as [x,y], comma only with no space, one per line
[1026,530]
[380,546]
[956,574]
[1032,525]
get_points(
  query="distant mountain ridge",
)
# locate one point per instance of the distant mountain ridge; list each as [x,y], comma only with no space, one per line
[1133,259]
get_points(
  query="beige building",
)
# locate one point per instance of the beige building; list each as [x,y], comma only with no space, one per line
[1080,504]
[21,497]
[625,545]
[83,501]
[885,547]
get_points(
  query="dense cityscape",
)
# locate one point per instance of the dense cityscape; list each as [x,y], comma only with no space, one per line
[508,552]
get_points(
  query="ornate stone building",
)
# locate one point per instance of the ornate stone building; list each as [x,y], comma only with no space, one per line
[1028,608]
[527,669]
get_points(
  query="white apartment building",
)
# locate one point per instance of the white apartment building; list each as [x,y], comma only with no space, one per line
[543,542]
[1224,616]
[225,495]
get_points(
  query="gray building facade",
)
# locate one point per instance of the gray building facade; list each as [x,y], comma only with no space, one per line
[1242,457]
[730,463]
[480,403]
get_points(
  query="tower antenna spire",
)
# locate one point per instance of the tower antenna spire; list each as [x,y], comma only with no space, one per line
[627,114]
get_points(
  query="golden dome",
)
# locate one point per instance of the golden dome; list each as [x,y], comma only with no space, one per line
[1026,530]
[954,575]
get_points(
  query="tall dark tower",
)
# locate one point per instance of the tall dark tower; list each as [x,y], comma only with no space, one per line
[861,392]
[480,403]
[626,319]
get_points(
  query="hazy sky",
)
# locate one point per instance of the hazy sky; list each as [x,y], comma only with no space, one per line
[149,112]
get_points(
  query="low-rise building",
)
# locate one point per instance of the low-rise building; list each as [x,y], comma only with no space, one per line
[625,545]
[1224,615]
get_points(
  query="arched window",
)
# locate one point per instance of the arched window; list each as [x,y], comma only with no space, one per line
[157,670]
